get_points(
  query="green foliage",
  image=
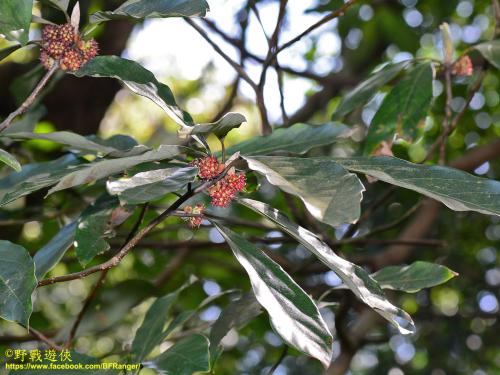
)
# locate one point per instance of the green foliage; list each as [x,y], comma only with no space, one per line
[141,9]
[312,236]
[329,192]
[403,108]
[293,315]
[15,19]
[413,278]
[17,282]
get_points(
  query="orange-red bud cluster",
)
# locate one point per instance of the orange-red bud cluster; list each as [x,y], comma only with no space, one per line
[463,67]
[195,221]
[209,167]
[62,43]
[224,191]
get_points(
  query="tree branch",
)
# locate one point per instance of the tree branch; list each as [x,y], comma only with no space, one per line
[30,99]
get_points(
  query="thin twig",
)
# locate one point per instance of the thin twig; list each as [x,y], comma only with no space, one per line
[337,13]
[30,99]
[115,260]
[238,68]
[100,281]
[448,114]
[496,7]
[40,336]
[454,123]
[278,362]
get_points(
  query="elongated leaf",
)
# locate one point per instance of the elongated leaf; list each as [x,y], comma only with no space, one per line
[292,313]
[91,227]
[458,190]
[15,19]
[413,278]
[355,277]
[187,356]
[220,128]
[141,9]
[17,282]
[9,160]
[151,185]
[297,139]
[235,315]
[151,332]
[138,79]
[330,193]
[78,142]
[367,89]
[403,108]
[104,168]
[50,254]
[491,52]
[36,176]
[7,51]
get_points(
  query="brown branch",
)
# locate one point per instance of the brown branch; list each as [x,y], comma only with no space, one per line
[174,264]
[115,260]
[337,13]
[30,99]
[40,336]
[100,281]
[417,228]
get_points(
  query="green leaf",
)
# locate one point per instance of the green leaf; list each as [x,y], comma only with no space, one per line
[151,331]
[104,168]
[355,277]
[78,142]
[237,314]
[403,108]
[367,89]
[138,79]
[413,278]
[187,356]
[220,128]
[91,228]
[296,139]
[15,19]
[141,9]
[36,176]
[330,193]
[491,52]
[151,185]
[458,190]
[7,51]
[292,313]
[50,254]
[17,283]
[9,160]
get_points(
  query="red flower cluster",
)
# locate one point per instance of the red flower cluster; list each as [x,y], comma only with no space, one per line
[463,67]
[62,43]
[209,167]
[224,191]
[195,221]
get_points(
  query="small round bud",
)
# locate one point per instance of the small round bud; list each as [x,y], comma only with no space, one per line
[89,48]
[67,34]
[50,32]
[47,61]
[195,221]
[72,60]
[463,67]
[55,49]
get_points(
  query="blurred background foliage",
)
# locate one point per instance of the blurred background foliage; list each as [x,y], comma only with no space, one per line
[457,323]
